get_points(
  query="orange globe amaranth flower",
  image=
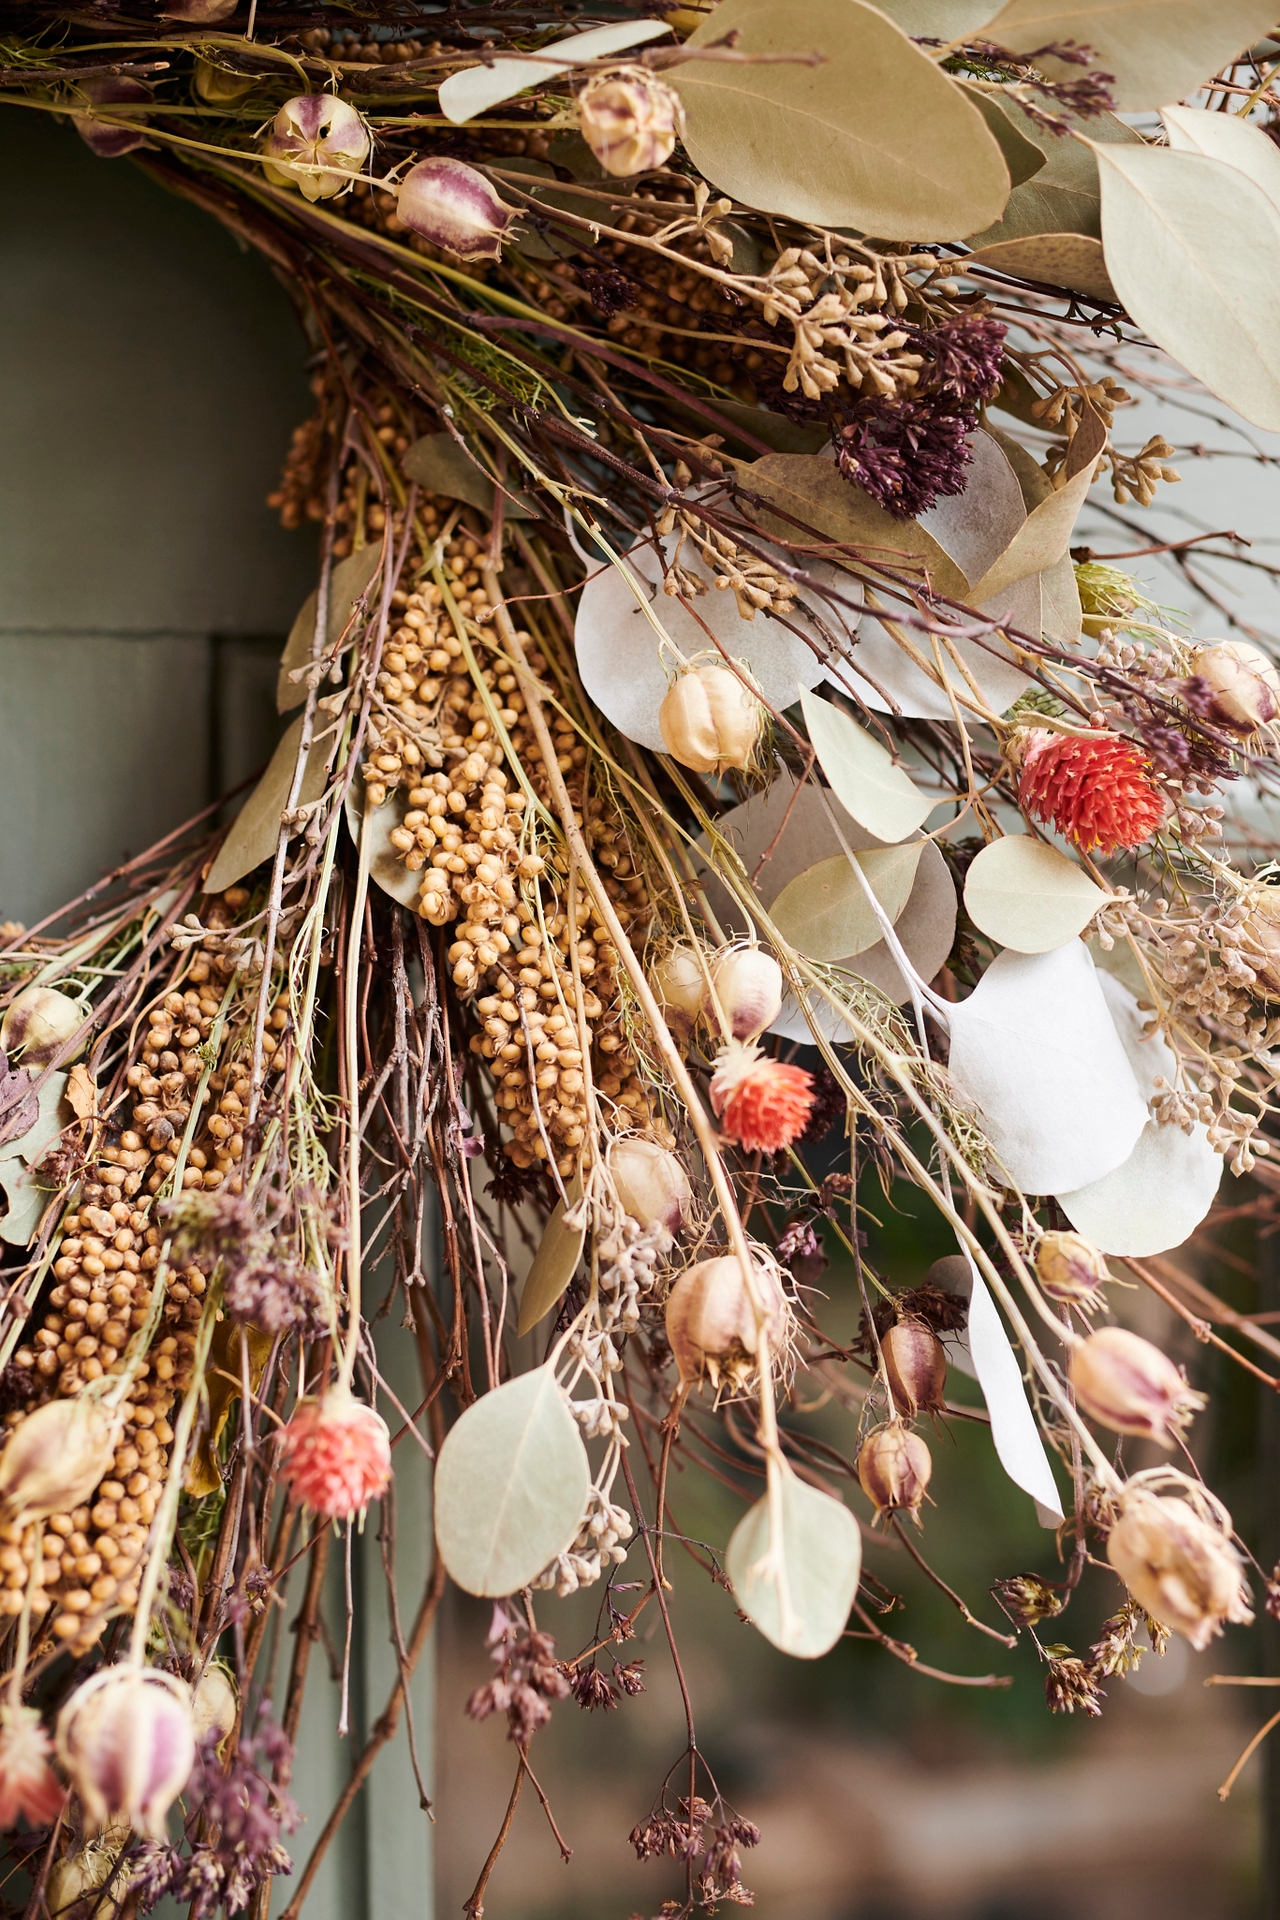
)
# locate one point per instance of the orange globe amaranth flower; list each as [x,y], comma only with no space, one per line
[335,1454]
[1095,789]
[763,1104]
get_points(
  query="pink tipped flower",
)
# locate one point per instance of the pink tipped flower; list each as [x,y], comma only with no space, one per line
[448,203]
[320,143]
[335,1455]
[28,1784]
[127,1739]
[112,91]
[763,1104]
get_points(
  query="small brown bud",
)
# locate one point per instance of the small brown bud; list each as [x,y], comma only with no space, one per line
[1245,683]
[1071,1270]
[652,1185]
[916,1363]
[1176,1558]
[710,720]
[1125,1383]
[894,1466]
[748,986]
[711,1322]
[630,120]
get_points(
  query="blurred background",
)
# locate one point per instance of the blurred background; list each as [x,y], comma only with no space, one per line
[150,376]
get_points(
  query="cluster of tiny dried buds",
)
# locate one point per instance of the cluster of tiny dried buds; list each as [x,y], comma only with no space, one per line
[756,585]
[840,329]
[528,1680]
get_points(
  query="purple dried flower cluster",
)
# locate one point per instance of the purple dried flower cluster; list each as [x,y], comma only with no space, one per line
[800,1250]
[239,1812]
[529,1677]
[592,1689]
[263,1282]
[611,291]
[688,1835]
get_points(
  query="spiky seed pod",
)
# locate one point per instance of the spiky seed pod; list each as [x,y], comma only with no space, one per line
[710,720]
[127,1740]
[748,987]
[452,206]
[711,1323]
[1244,682]
[763,1104]
[1125,1383]
[1071,1270]
[916,1363]
[1094,789]
[324,141]
[652,1185]
[630,119]
[1179,1564]
[335,1454]
[55,1458]
[894,1468]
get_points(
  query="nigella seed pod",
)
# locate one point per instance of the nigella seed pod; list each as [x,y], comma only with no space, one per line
[653,1187]
[28,1784]
[679,982]
[748,987]
[1125,1383]
[335,1454]
[215,1705]
[317,144]
[894,1467]
[916,1363]
[630,120]
[711,1322]
[1176,1558]
[710,720]
[1244,685]
[448,203]
[126,1739]
[54,1458]
[1071,1270]
[110,142]
[218,86]
[37,1022]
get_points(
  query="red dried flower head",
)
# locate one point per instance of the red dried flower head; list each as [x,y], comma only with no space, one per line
[762,1103]
[335,1454]
[27,1782]
[1095,789]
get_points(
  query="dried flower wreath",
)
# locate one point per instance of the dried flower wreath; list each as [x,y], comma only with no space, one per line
[704,405]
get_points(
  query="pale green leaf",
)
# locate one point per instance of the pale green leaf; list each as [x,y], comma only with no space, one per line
[26,1199]
[255,831]
[824,912]
[797,1590]
[49,1122]
[1193,247]
[1028,896]
[1041,540]
[511,1486]
[943,20]
[1023,157]
[1157,50]
[554,1265]
[476,89]
[1063,197]
[877,138]
[386,868]
[438,463]
[1071,260]
[1224,136]
[347,582]
[814,492]
[880,795]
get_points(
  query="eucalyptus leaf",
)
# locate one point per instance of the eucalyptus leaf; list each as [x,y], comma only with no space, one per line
[386,869]
[48,1123]
[476,89]
[877,138]
[1155,50]
[880,795]
[943,20]
[554,1265]
[1193,246]
[255,831]
[824,912]
[1226,137]
[1014,1432]
[1071,260]
[797,1590]
[1064,196]
[439,464]
[26,1200]
[813,492]
[1028,896]
[1023,157]
[347,582]
[511,1486]
[1041,540]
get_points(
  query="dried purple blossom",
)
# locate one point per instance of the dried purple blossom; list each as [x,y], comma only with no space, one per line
[611,291]
[830,1103]
[263,1281]
[529,1677]
[1069,1684]
[592,1689]
[800,1250]
[905,453]
[682,1835]
[630,1677]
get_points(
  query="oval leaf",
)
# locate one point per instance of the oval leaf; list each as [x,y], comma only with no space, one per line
[554,1265]
[1155,50]
[797,1591]
[1041,540]
[1064,196]
[1035,1046]
[1225,137]
[1014,1432]
[347,582]
[878,137]
[476,89]
[1028,896]
[1193,247]
[1155,1199]
[438,463]
[511,1486]
[824,912]
[1071,260]
[255,831]
[880,795]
